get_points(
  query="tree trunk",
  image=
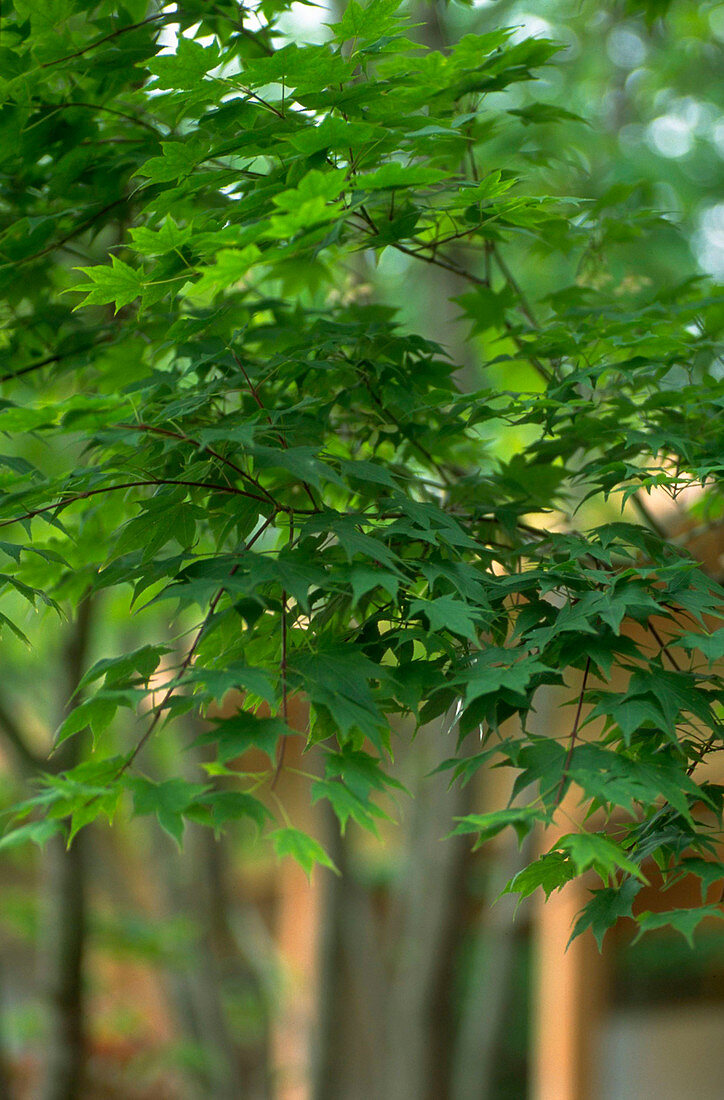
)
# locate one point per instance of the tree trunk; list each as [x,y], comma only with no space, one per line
[353,987]
[65,912]
[63,967]
[426,932]
[485,1010]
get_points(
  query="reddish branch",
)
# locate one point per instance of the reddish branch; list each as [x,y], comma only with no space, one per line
[153,429]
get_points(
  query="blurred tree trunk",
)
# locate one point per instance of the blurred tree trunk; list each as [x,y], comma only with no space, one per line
[385,996]
[195,882]
[65,905]
[240,959]
[195,885]
[27,765]
[387,1019]
[196,988]
[485,1009]
[426,926]
[62,967]
[353,985]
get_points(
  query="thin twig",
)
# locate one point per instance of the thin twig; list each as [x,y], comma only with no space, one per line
[515,287]
[158,711]
[100,41]
[46,362]
[68,237]
[646,515]
[127,485]
[155,430]
[283,679]
[444,477]
[476,280]
[102,108]
[574,733]
[664,647]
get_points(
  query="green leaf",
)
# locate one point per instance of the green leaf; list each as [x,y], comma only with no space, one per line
[392,176]
[709,871]
[345,804]
[242,731]
[522,819]
[710,645]
[117,670]
[551,871]
[685,921]
[365,579]
[232,805]
[168,800]
[186,66]
[118,284]
[96,713]
[303,848]
[605,909]
[597,851]
[493,669]
[447,613]
[36,831]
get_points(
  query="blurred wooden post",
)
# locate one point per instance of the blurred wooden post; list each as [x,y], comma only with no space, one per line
[296,931]
[567,1000]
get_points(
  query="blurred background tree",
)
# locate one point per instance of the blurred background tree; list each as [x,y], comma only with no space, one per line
[117,982]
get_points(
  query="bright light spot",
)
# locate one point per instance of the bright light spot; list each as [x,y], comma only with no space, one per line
[626,48]
[671,135]
[531,26]
[305,23]
[168,38]
[709,240]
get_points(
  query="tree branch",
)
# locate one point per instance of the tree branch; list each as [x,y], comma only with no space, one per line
[105,38]
[129,485]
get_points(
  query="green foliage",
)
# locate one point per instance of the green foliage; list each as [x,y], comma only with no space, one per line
[303,848]
[306,480]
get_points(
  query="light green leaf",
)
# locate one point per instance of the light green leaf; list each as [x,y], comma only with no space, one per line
[303,848]
[118,284]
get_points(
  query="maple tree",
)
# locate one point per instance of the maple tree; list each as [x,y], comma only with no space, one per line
[205,408]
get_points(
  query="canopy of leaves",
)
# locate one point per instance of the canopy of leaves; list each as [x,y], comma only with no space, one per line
[239,430]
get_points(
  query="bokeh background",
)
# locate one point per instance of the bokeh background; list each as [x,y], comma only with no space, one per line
[215,972]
